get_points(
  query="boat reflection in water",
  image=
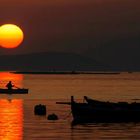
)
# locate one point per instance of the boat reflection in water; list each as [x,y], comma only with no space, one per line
[11,119]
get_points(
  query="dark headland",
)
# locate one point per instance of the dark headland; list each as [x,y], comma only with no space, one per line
[51,62]
[64,72]
[58,63]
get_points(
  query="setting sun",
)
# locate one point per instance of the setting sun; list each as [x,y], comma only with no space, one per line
[11,36]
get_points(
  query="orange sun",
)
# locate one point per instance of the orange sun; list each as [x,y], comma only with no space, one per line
[11,36]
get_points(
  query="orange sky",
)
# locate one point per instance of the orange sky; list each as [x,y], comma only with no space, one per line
[72,25]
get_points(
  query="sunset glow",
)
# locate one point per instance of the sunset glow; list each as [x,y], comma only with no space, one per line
[11,124]
[15,78]
[11,36]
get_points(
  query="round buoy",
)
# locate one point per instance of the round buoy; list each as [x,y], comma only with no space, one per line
[52,117]
[40,109]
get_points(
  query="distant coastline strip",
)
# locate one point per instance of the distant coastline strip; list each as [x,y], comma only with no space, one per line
[63,72]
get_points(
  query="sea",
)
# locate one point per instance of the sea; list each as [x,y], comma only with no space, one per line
[18,122]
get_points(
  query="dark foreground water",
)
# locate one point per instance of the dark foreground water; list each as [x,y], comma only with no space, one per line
[18,122]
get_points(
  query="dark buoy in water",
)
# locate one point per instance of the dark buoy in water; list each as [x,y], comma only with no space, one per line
[52,117]
[40,109]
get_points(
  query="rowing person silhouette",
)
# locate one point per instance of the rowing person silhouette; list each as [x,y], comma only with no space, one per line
[9,85]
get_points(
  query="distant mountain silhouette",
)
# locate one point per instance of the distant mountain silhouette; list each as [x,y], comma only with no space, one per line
[121,55]
[52,61]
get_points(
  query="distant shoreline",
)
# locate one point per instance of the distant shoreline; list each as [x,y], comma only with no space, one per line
[63,72]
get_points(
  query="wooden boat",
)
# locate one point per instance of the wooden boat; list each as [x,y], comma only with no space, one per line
[14,91]
[98,111]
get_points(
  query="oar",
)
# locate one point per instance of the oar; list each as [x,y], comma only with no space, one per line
[16,87]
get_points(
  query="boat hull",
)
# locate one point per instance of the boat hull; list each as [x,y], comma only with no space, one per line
[14,91]
[85,113]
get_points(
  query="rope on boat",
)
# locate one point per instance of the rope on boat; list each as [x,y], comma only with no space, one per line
[67,116]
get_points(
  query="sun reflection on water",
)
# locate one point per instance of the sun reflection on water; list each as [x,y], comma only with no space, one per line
[11,119]
[5,77]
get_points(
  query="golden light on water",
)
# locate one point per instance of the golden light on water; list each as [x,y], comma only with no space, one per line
[11,112]
[11,120]
[5,77]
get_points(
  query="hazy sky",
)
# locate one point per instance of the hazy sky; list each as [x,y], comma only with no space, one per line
[73,25]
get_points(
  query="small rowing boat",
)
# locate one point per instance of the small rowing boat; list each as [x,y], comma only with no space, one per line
[14,91]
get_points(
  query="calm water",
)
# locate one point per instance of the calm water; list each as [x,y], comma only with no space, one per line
[18,121]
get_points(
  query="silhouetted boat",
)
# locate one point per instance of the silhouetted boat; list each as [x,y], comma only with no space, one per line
[98,111]
[14,91]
